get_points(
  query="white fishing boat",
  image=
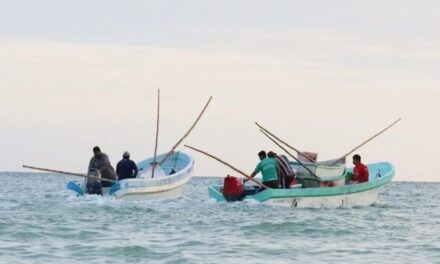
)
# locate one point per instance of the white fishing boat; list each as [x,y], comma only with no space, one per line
[168,182]
[346,196]
[165,180]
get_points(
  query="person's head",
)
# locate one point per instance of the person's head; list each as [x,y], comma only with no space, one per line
[97,151]
[262,155]
[271,154]
[356,159]
[126,155]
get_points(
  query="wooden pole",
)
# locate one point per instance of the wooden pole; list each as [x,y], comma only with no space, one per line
[157,133]
[68,173]
[288,153]
[289,146]
[230,166]
[368,140]
[187,133]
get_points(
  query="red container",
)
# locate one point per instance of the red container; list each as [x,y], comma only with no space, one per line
[233,189]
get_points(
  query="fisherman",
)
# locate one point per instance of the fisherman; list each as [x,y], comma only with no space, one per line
[360,171]
[100,166]
[269,169]
[285,172]
[126,168]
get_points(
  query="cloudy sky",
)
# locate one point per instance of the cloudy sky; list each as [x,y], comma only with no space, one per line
[323,75]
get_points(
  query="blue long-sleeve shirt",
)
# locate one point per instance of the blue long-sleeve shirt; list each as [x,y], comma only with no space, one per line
[126,168]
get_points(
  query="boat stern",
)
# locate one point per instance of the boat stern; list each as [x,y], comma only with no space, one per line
[215,192]
[76,187]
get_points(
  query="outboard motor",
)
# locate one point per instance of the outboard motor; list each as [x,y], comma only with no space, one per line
[233,189]
[94,186]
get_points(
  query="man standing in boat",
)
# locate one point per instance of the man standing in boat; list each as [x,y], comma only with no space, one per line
[285,172]
[269,169]
[126,168]
[360,171]
[100,163]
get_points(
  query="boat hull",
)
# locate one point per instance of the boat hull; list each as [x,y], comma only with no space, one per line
[359,199]
[171,186]
[172,193]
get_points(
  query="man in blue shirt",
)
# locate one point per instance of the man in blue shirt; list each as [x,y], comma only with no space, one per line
[126,168]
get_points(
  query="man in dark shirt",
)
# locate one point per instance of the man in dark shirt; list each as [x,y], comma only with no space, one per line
[100,166]
[126,168]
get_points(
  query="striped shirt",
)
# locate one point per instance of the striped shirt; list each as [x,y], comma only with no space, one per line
[284,166]
[102,164]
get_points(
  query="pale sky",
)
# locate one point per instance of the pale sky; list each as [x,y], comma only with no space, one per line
[323,75]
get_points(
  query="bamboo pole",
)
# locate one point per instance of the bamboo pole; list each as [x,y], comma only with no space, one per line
[289,146]
[68,173]
[187,132]
[157,133]
[230,166]
[368,140]
[288,153]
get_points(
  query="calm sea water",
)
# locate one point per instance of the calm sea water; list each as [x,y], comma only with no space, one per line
[42,222]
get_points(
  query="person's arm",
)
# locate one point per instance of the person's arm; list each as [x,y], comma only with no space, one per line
[118,167]
[355,176]
[348,176]
[252,176]
[254,173]
[105,162]
[135,168]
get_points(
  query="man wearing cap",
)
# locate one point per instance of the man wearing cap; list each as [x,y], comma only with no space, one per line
[126,168]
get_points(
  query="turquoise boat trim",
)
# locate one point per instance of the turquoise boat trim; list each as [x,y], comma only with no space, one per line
[73,186]
[214,192]
[380,174]
[115,187]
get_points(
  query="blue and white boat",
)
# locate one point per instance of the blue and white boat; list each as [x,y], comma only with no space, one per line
[346,196]
[169,180]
